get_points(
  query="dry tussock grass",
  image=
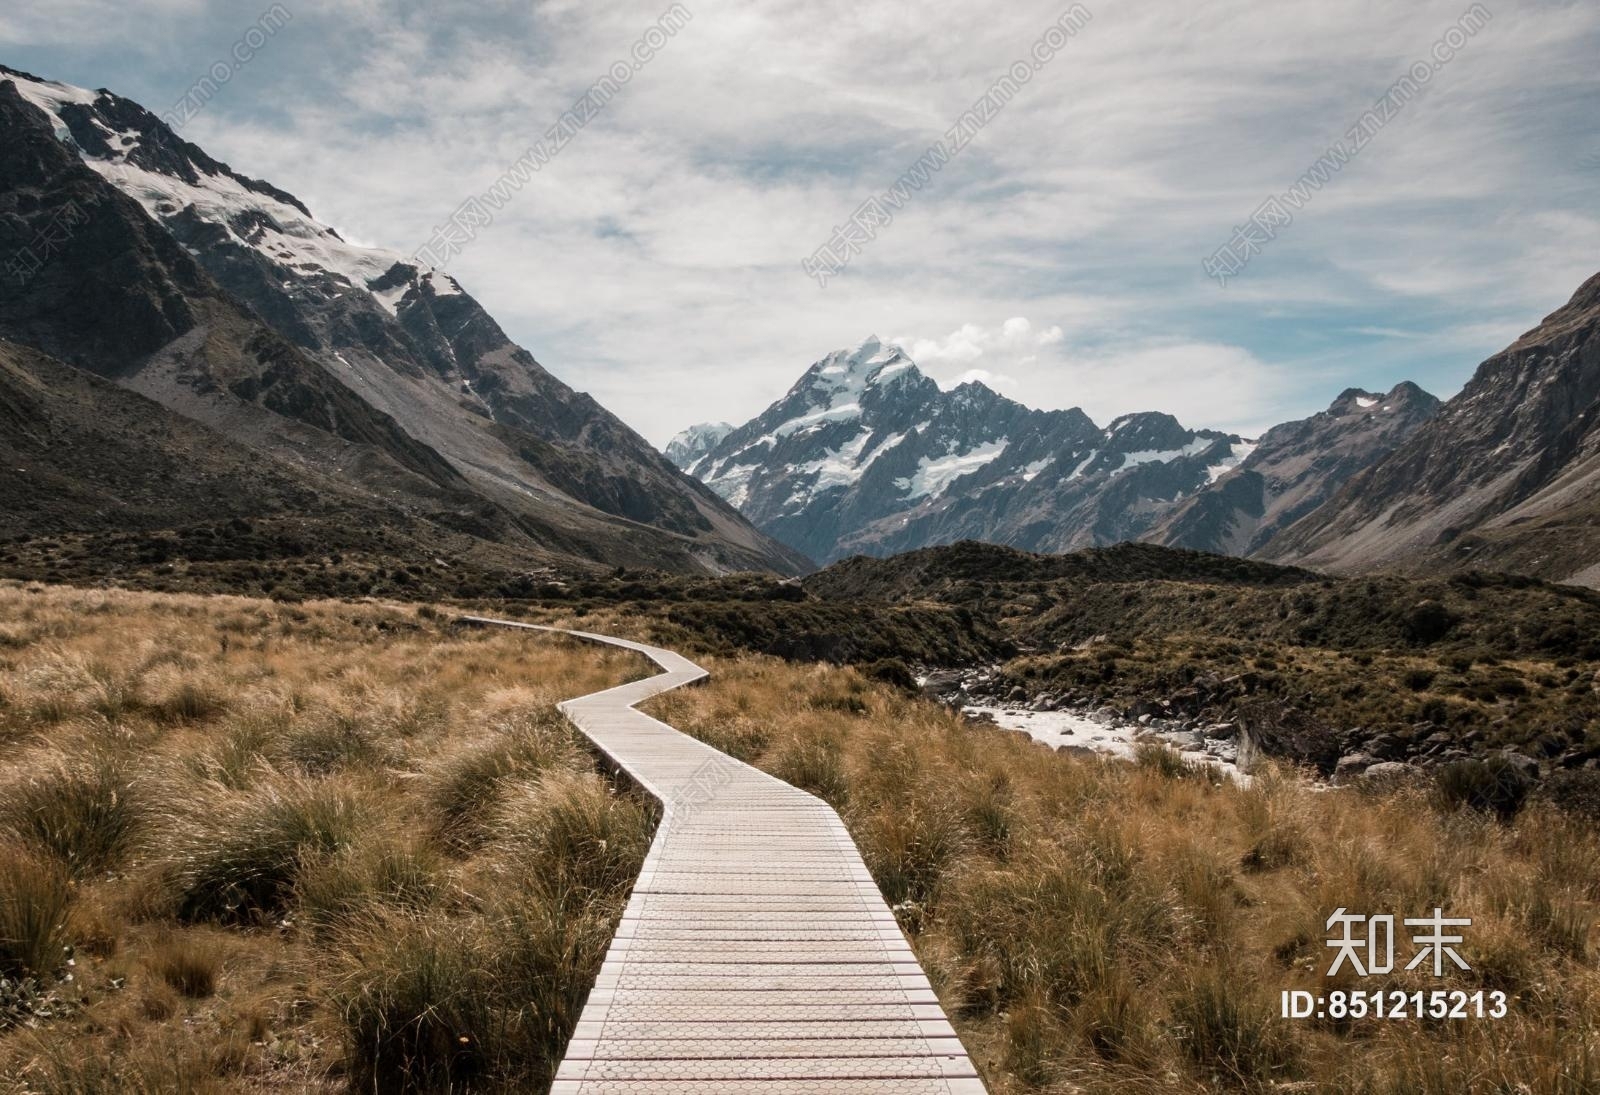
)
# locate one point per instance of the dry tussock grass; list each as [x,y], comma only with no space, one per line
[325,847]
[251,846]
[1112,927]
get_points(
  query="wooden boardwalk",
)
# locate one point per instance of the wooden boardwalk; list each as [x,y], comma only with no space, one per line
[756,954]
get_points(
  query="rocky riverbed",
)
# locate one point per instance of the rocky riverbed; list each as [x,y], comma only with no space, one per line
[1104,732]
[1067,724]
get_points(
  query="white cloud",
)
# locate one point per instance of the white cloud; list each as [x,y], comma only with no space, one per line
[655,261]
[1204,384]
[1011,347]
[998,381]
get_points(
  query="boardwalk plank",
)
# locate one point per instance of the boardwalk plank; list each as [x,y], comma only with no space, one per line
[755,954]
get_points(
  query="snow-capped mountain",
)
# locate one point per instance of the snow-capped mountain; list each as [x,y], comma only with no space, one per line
[366,343]
[866,454]
[691,444]
[1293,469]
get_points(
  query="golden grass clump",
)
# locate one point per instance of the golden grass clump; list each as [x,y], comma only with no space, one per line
[35,896]
[313,847]
[468,785]
[86,813]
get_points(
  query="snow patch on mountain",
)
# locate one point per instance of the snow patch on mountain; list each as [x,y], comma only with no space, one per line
[1237,454]
[1165,456]
[865,453]
[933,476]
[689,445]
[295,241]
[838,467]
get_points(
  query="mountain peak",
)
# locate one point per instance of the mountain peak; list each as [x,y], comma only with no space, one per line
[1354,400]
[1360,401]
[178,183]
[221,299]
[690,444]
[869,362]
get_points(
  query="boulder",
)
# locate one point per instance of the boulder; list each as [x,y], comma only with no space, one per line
[1245,682]
[1577,758]
[1524,764]
[1384,747]
[1390,770]
[1350,766]
[1249,748]
[1185,699]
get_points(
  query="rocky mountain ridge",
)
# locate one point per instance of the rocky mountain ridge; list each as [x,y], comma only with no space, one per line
[222,299]
[865,454]
[1505,477]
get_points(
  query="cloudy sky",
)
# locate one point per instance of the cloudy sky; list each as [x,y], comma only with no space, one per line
[655,261]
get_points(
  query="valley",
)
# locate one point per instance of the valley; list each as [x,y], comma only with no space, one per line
[1032,751]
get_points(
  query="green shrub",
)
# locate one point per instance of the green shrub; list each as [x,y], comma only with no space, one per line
[190,701]
[378,871]
[191,964]
[1493,785]
[331,743]
[813,764]
[990,812]
[1575,791]
[1428,622]
[417,1006]
[431,1003]
[742,739]
[1418,680]
[574,829]
[909,844]
[1163,760]
[892,671]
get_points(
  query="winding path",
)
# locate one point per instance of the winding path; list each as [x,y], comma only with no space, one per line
[756,954]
